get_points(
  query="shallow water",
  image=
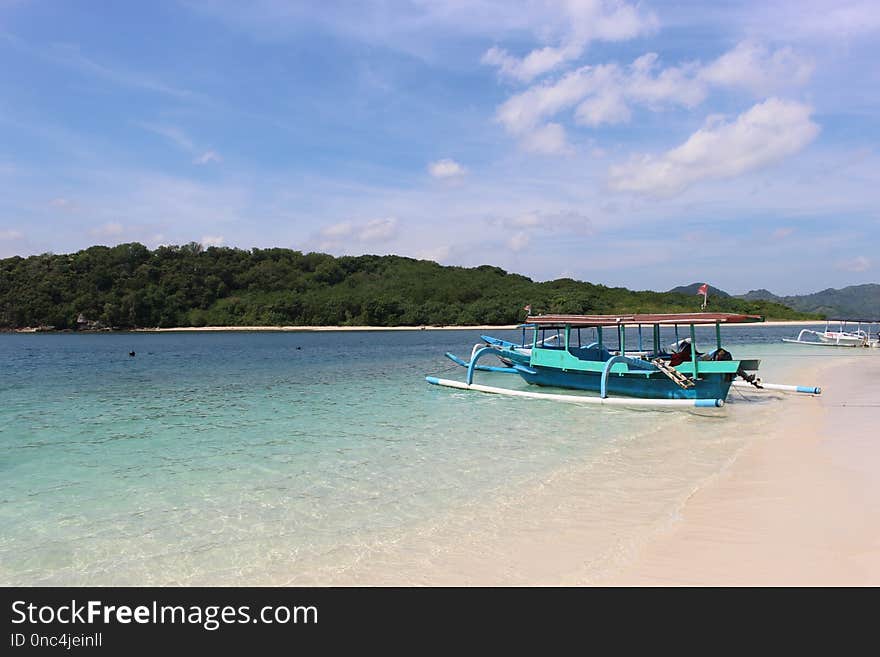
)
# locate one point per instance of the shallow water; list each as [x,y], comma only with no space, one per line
[271,458]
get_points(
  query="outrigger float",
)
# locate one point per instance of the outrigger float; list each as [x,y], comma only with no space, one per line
[637,377]
[841,337]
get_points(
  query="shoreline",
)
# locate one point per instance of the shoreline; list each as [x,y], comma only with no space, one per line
[327,329]
[797,502]
[471,327]
[323,329]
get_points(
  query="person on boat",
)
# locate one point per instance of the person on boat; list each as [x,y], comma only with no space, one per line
[683,355]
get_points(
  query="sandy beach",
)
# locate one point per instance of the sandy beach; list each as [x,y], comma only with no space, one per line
[504,327]
[800,505]
[186,329]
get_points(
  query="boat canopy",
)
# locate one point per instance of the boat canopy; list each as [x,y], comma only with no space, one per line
[585,321]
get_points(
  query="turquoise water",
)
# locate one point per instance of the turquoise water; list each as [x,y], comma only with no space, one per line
[272,458]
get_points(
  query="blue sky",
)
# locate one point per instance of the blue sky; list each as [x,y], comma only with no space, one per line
[643,144]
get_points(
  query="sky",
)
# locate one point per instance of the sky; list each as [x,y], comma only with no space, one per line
[646,144]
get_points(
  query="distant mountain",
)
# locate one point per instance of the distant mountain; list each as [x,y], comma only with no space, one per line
[853,302]
[693,287]
[760,295]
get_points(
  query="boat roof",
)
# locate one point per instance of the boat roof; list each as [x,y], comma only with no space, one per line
[547,321]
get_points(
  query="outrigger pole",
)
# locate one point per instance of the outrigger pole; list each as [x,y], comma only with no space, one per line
[579,399]
[808,390]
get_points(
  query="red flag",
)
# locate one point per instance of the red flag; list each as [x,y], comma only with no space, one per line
[704,290]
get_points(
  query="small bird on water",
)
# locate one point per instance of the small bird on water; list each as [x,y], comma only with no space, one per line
[131,353]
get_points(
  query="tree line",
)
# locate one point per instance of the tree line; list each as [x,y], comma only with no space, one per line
[129,286]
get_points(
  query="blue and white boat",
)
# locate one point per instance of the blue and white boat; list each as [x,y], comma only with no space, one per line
[645,373]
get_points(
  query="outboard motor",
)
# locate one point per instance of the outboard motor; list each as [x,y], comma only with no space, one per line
[723,354]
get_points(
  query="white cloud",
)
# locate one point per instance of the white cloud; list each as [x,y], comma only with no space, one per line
[437,253]
[336,231]
[377,230]
[518,241]
[207,157]
[580,22]
[182,141]
[9,235]
[609,107]
[70,55]
[346,233]
[857,264]
[446,168]
[766,133]
[605,94]
[522,112]
[536,63]
[173,134]
[649,85]
[754,67]
[547,140]
[820,20]
[519,230]
[210,240]
[110,229]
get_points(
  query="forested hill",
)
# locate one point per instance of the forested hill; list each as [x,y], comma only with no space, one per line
[129,286]
[855,301]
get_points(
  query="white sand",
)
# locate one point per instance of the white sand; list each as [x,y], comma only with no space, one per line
[799,506]
[478,327]
[328,328]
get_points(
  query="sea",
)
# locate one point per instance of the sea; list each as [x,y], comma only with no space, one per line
[305,458]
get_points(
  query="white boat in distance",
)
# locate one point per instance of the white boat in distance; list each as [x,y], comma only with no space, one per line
[839,338]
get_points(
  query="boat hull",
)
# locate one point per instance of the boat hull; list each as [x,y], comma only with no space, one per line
[708,386]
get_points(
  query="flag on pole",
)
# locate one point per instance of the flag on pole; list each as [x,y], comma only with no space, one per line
[704,290]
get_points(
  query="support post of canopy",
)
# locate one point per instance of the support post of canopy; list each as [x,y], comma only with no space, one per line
[656,339]
[694,351]
[640,337]
[718,335]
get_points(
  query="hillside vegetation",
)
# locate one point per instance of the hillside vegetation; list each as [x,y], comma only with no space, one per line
[854,301]
[129,286]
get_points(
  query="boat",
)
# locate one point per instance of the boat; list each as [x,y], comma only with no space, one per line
[839,338]
[523,349]
[647,373]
